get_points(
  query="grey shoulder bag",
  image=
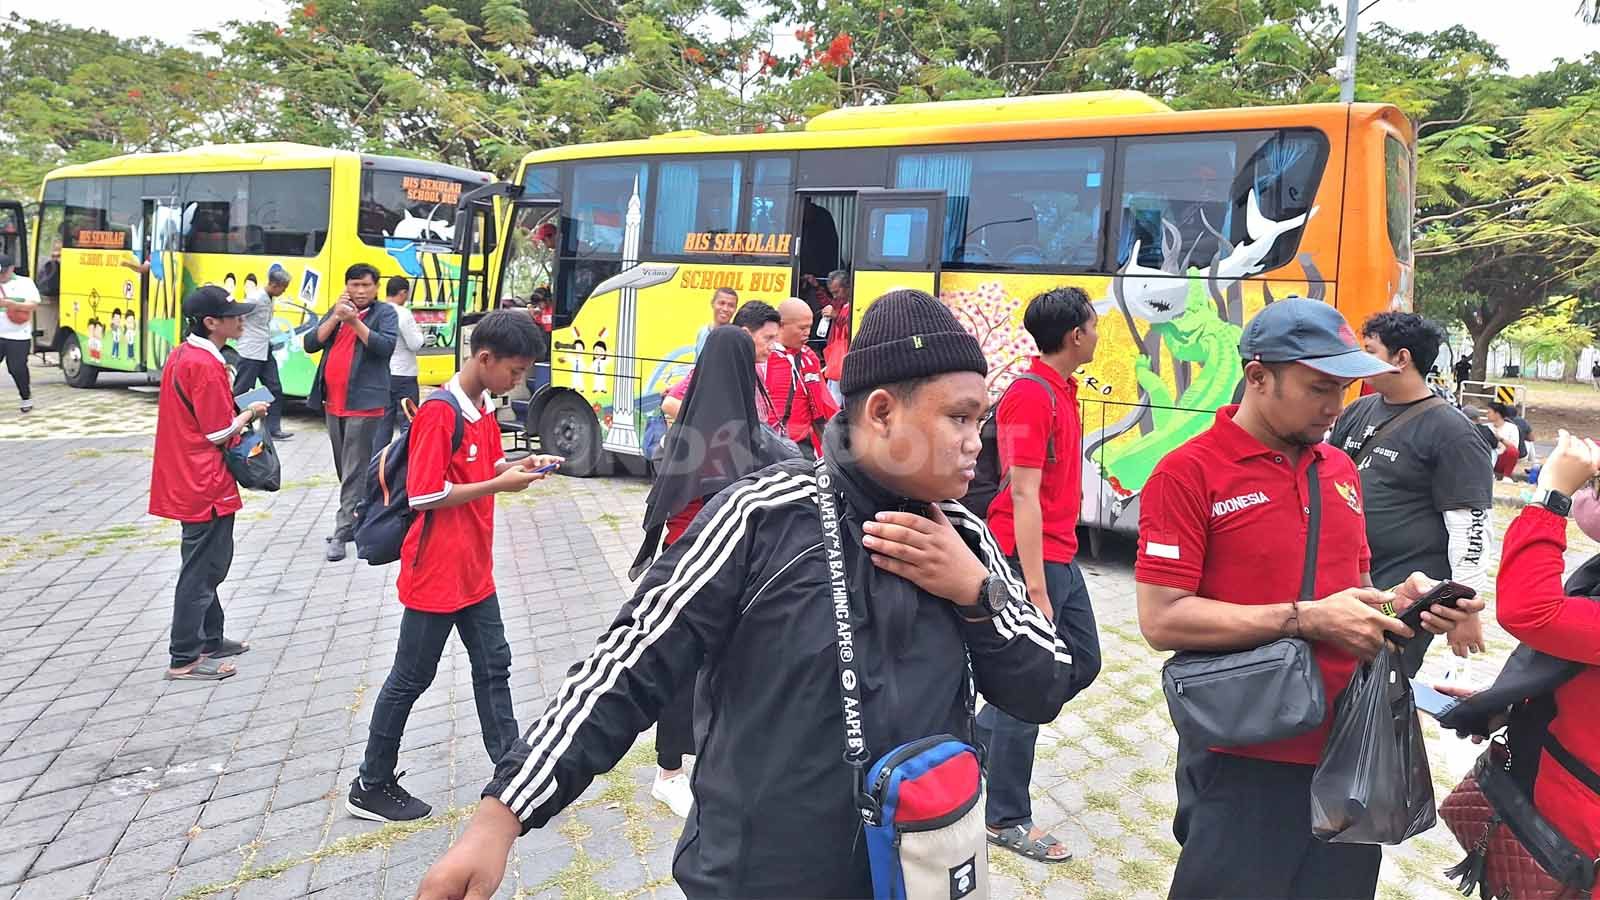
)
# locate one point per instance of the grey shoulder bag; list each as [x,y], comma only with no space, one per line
[1254,696]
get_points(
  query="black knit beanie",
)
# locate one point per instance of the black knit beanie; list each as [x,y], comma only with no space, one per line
[907,334]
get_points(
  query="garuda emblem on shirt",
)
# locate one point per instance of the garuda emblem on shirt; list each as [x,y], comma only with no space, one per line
[1349,493]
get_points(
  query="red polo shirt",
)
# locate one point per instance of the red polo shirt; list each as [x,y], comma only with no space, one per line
[1225,517]
[799,373]
[1023,427]
[188,480]
[447,560]
[336,374]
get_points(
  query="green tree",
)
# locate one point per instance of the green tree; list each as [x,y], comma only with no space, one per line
[80,94]
[1554,336]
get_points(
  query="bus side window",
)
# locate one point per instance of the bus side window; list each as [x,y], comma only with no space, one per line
[216,206]
[695,195]
[1015,206]
[1185,200]
[288,212]
[770,193]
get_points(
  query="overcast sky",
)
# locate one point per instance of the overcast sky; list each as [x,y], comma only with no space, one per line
[1537,33]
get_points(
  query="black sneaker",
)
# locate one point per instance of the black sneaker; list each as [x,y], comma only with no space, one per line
[335,549]
[384,802]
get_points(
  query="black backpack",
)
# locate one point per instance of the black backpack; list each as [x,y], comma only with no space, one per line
[986,482]
[385,514]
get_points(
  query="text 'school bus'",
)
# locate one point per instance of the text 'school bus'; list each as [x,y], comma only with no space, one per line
[1179,225]
[137,233]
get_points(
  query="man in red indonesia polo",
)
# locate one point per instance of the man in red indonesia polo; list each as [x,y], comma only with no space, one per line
[1223,529]
[190,484]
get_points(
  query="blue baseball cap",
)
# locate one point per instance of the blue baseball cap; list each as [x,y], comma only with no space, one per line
[1311,333]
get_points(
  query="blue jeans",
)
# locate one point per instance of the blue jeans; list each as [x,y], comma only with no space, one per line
[1009,740]
[416,659]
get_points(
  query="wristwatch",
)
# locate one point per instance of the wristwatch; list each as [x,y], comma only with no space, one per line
[992,597]
[1555,501]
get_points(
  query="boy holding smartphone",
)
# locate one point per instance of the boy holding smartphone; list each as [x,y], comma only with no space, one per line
[446,578]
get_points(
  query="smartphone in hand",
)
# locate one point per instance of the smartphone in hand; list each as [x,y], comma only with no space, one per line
[1431,701]
[1445,593]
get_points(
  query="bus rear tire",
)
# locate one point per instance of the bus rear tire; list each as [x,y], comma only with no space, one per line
[568,429]
[74,369]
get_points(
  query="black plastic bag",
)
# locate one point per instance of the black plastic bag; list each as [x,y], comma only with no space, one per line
[1373,785]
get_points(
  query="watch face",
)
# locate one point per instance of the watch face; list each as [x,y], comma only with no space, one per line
[995,594]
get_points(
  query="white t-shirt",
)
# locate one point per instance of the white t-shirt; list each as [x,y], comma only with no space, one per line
[20,288]
[1508,431]
[407,342]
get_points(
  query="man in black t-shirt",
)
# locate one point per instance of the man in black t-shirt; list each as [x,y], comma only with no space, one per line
[1427,483]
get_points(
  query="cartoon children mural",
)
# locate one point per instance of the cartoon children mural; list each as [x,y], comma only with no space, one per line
[130,334]
[116,333]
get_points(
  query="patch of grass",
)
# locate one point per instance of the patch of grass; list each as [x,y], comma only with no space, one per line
[381,838]
[1101,801]
[611,519]
[97,452]
[1143,777]
[576,881]
[309,482]
[1143,875]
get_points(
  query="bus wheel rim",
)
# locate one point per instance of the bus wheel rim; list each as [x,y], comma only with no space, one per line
[74,359]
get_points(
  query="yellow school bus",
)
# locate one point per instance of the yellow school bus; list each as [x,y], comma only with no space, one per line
[1179,225]
[135,234]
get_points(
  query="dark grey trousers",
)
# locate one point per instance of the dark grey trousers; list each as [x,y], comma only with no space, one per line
[351,438]
[196,609]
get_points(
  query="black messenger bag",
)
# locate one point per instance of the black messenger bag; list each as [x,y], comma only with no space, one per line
[1269,693]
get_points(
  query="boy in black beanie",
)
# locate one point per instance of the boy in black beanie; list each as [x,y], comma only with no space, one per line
[744,598]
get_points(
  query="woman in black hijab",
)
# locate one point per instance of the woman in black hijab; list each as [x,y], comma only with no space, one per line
[716,440]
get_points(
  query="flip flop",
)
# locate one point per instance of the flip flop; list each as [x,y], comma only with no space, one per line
[205,669]
[1015,839]
[226,648]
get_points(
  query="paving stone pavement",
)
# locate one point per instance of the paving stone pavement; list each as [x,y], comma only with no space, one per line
[117,784]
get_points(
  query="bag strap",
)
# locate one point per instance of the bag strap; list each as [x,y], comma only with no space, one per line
[1308,577]
[855,742]
[1050,442]
[1411,412]
[795,384]
[1587,776]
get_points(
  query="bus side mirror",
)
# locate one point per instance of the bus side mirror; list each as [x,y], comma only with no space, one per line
[463,230]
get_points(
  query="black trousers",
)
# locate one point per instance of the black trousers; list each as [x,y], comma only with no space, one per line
[16,353]
[196,609]
[266,371]
[416,661]
[1245,827]
[401,387]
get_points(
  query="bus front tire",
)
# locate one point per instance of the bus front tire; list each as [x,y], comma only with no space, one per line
[568,429]
[74,368]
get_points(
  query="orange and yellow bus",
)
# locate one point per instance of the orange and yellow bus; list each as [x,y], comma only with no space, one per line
[137,233]
[1180,225]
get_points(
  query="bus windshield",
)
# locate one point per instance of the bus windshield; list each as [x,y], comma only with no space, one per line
[404,206]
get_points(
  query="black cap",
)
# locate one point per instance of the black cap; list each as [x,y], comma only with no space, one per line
[213,301]
[907,334]
[1311,333]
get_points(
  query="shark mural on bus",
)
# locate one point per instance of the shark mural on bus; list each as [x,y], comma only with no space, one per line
[1168,356]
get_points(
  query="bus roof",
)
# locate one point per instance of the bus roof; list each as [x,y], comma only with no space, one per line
[1087,104]
[266,154]
[1019,119]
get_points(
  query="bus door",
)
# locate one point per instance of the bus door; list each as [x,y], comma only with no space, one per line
[899,241]
[160,255]
[531,254]
[14,234]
